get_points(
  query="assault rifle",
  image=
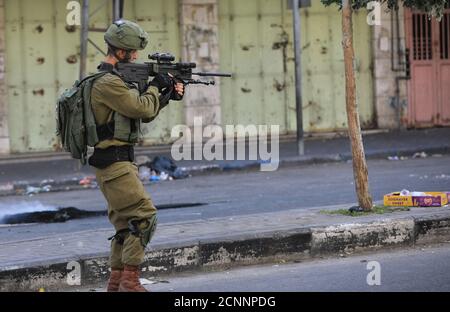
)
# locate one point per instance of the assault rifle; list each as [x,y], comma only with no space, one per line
[139,73]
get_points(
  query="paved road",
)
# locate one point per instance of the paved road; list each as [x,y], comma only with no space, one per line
[234,194]
[424,268]
[59,165]
[420,269]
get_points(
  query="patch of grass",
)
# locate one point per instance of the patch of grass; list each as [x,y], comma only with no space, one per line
[376,210]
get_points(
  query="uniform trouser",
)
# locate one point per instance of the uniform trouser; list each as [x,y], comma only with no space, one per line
[127,200]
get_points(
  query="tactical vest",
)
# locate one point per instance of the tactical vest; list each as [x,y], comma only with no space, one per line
[120,127]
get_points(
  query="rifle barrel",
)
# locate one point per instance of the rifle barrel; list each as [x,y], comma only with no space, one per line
[212,74]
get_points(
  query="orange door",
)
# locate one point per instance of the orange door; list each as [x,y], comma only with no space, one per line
[429,87]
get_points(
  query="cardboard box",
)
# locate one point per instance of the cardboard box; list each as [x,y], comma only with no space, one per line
[431,199]
[440,193]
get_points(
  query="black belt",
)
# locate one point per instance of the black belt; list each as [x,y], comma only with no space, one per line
[102,158]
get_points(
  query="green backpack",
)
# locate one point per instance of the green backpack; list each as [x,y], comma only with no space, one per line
[75,121]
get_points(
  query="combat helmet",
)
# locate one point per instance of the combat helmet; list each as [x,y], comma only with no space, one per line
[124,34]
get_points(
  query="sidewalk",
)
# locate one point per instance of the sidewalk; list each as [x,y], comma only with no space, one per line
[59,172]
[219,243]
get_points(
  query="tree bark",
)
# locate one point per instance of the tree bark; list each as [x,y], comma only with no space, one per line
[360,171]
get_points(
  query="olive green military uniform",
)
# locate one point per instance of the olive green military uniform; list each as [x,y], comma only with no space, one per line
[119,182]
[118,108]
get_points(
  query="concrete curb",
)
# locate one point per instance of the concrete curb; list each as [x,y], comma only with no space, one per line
[20,188]
[301,243]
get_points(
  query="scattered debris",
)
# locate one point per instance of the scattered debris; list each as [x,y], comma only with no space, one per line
[408,193]
[163,176]
[49,181]
[32,190]
[397,158]
[145,281]
[443,177]
[6,187]
[161,168]
[420,155]
[154,178]
[142,160]
[144,173]
[164,164]
[89,181]
[355,209]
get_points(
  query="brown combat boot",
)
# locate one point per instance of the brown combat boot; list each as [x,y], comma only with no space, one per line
[114,280]
[129,282]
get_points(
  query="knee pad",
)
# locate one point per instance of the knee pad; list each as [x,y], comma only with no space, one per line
[143,228]
[120,236]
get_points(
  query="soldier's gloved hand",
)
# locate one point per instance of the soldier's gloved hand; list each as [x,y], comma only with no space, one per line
[178,92]
[162,81]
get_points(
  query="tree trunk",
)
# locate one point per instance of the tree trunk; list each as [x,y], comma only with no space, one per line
[360,171]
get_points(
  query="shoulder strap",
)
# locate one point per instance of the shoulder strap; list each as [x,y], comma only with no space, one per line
[94,76]
[106,131]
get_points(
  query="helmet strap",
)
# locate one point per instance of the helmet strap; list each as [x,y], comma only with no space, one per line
[127,57]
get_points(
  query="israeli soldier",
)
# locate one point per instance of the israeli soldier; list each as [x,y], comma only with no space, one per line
[119,109]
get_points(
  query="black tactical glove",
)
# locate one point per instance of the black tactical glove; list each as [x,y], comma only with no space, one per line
[162,81]
[175,96]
